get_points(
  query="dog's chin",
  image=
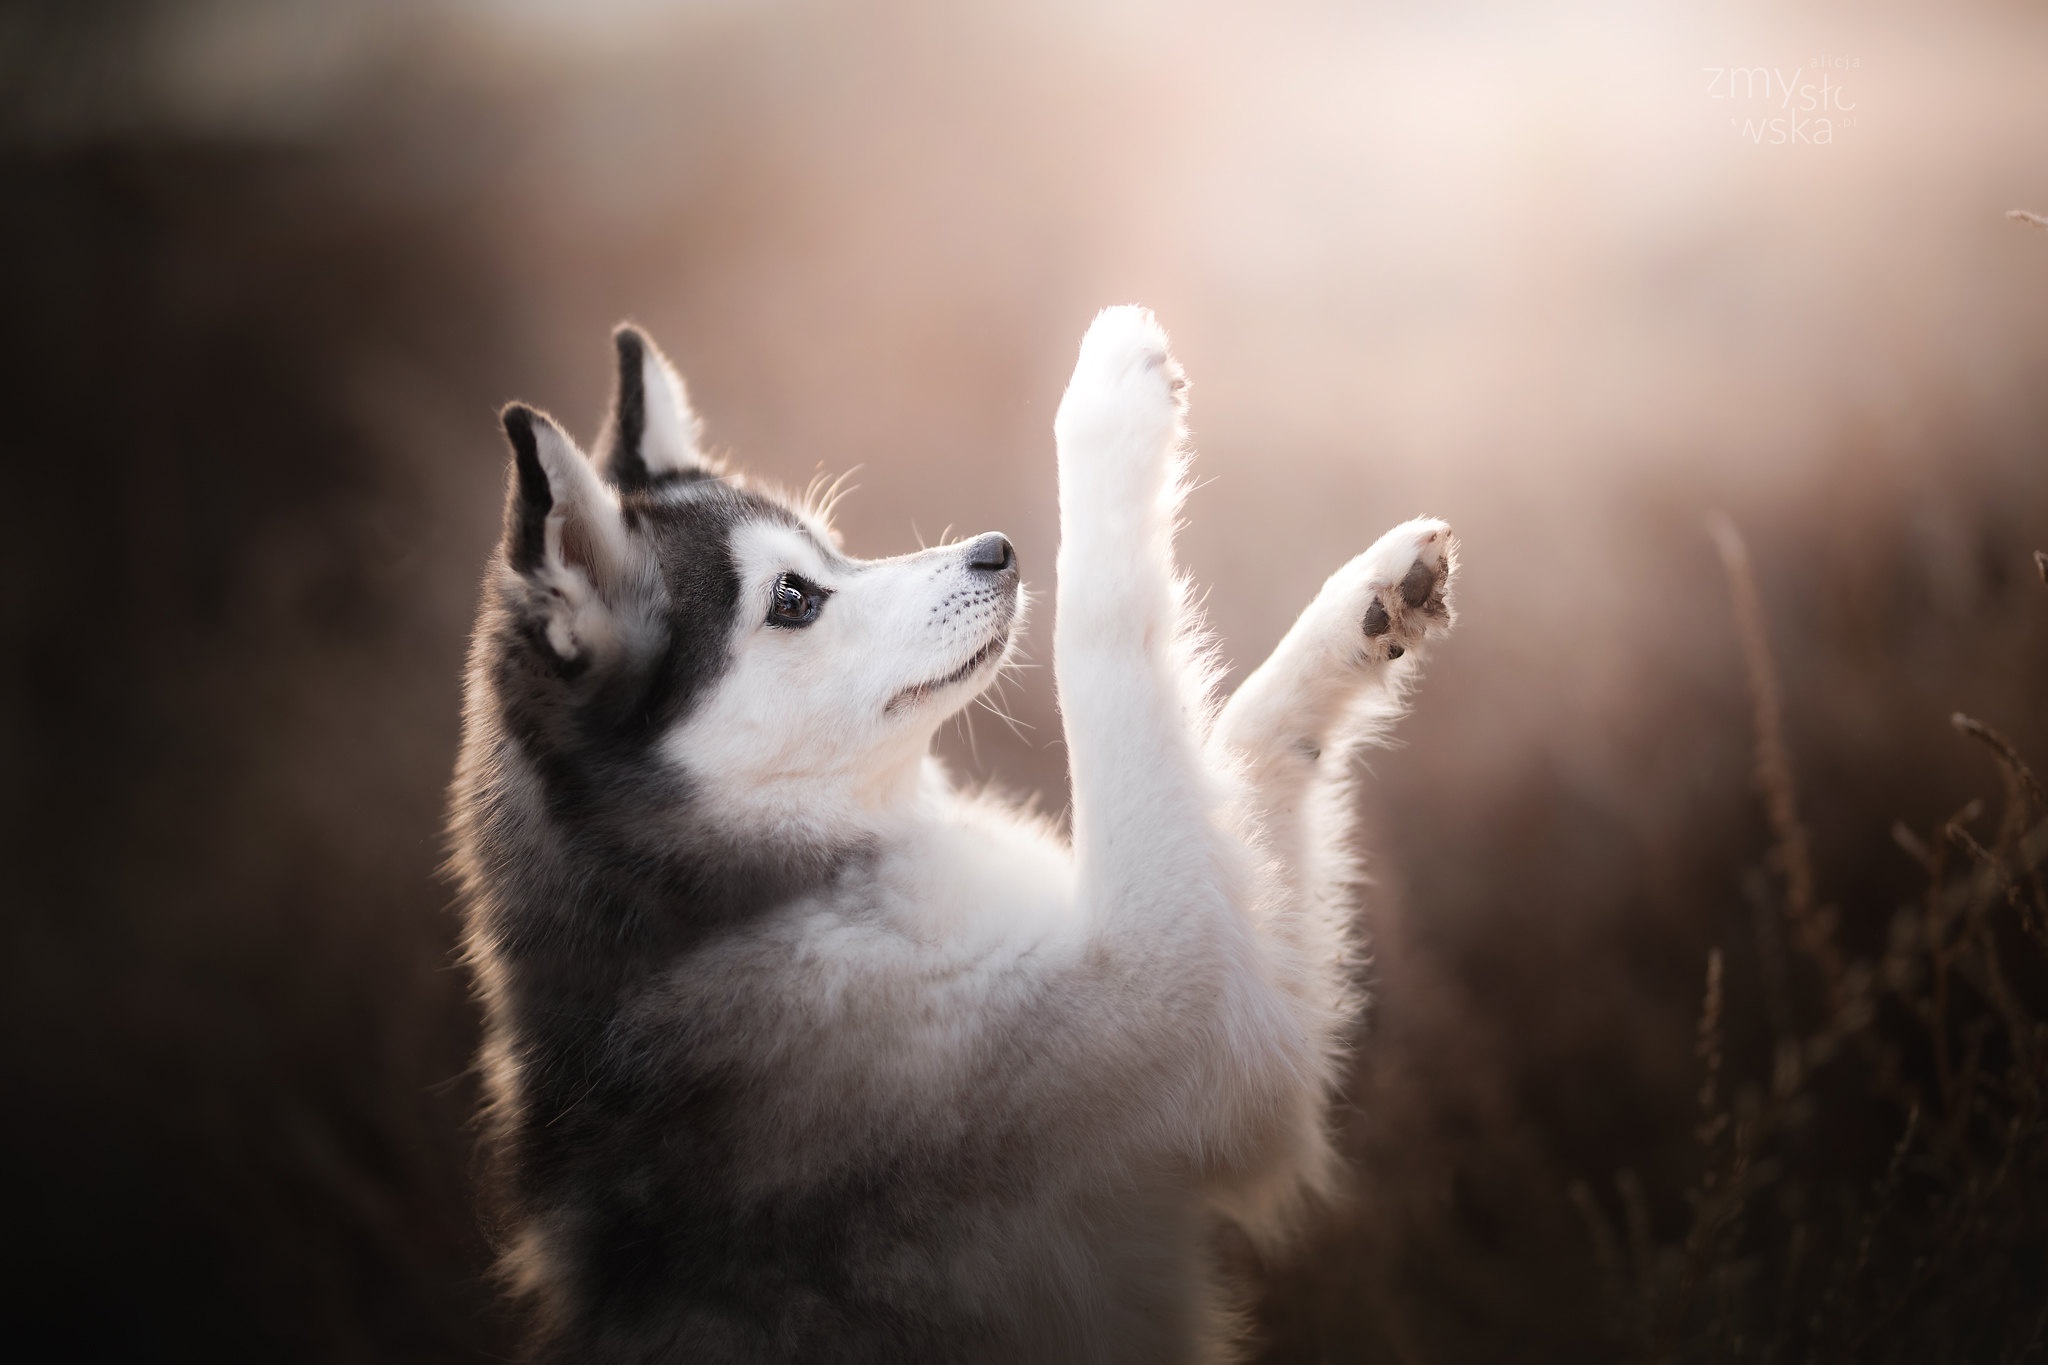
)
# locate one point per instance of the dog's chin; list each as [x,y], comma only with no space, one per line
[961,683]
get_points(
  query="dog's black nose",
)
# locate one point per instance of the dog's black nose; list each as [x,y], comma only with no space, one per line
[991,553]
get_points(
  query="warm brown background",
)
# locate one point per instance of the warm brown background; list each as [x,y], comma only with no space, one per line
[271,267]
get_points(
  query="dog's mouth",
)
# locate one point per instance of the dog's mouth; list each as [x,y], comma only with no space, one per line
[980,659]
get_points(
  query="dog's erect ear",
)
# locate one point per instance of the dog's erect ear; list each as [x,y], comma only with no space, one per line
[564,535]
[559,514]
[653,434]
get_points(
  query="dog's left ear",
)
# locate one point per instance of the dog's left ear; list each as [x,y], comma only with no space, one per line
[583,577]
[652,436]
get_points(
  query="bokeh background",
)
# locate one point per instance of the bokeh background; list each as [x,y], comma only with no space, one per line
[270,268]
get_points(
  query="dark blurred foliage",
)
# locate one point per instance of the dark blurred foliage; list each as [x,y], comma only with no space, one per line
[236,1045]
[252,343]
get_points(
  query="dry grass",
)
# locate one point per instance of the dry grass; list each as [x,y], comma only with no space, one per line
[1799,1248]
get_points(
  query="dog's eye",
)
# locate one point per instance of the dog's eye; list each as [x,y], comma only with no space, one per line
[796,601]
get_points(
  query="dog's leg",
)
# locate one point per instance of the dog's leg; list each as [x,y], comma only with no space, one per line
[1337,679]
[1165,880]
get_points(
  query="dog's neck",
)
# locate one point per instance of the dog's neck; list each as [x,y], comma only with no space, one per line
[866,800]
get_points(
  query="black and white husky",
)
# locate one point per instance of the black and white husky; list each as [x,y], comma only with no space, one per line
[796,1052]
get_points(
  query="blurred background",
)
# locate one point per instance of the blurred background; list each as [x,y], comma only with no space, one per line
[1574,277]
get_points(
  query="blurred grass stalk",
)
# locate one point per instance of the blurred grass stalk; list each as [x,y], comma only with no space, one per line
[1944,1253]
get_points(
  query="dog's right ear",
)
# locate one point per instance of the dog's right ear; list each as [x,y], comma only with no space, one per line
[653,434]
[565,538]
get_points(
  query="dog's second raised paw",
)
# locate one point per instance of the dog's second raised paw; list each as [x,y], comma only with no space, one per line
[1402,588]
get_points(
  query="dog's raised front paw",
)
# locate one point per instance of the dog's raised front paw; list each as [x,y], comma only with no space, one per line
[1402,588]
[1119,424]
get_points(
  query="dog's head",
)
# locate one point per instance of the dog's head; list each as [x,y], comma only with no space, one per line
[667,638]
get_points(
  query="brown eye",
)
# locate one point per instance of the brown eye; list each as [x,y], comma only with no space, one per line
[796,601]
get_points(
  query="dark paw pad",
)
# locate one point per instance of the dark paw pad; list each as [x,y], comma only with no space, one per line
[1376,622]
[1419,583]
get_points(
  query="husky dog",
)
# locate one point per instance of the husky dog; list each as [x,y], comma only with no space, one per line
[798,1053]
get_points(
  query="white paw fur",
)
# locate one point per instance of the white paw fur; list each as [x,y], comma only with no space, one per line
[1118,428]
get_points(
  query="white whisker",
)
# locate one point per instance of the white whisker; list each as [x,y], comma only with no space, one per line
[1017,727]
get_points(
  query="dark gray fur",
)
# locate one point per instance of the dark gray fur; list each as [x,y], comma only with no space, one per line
[583,888]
